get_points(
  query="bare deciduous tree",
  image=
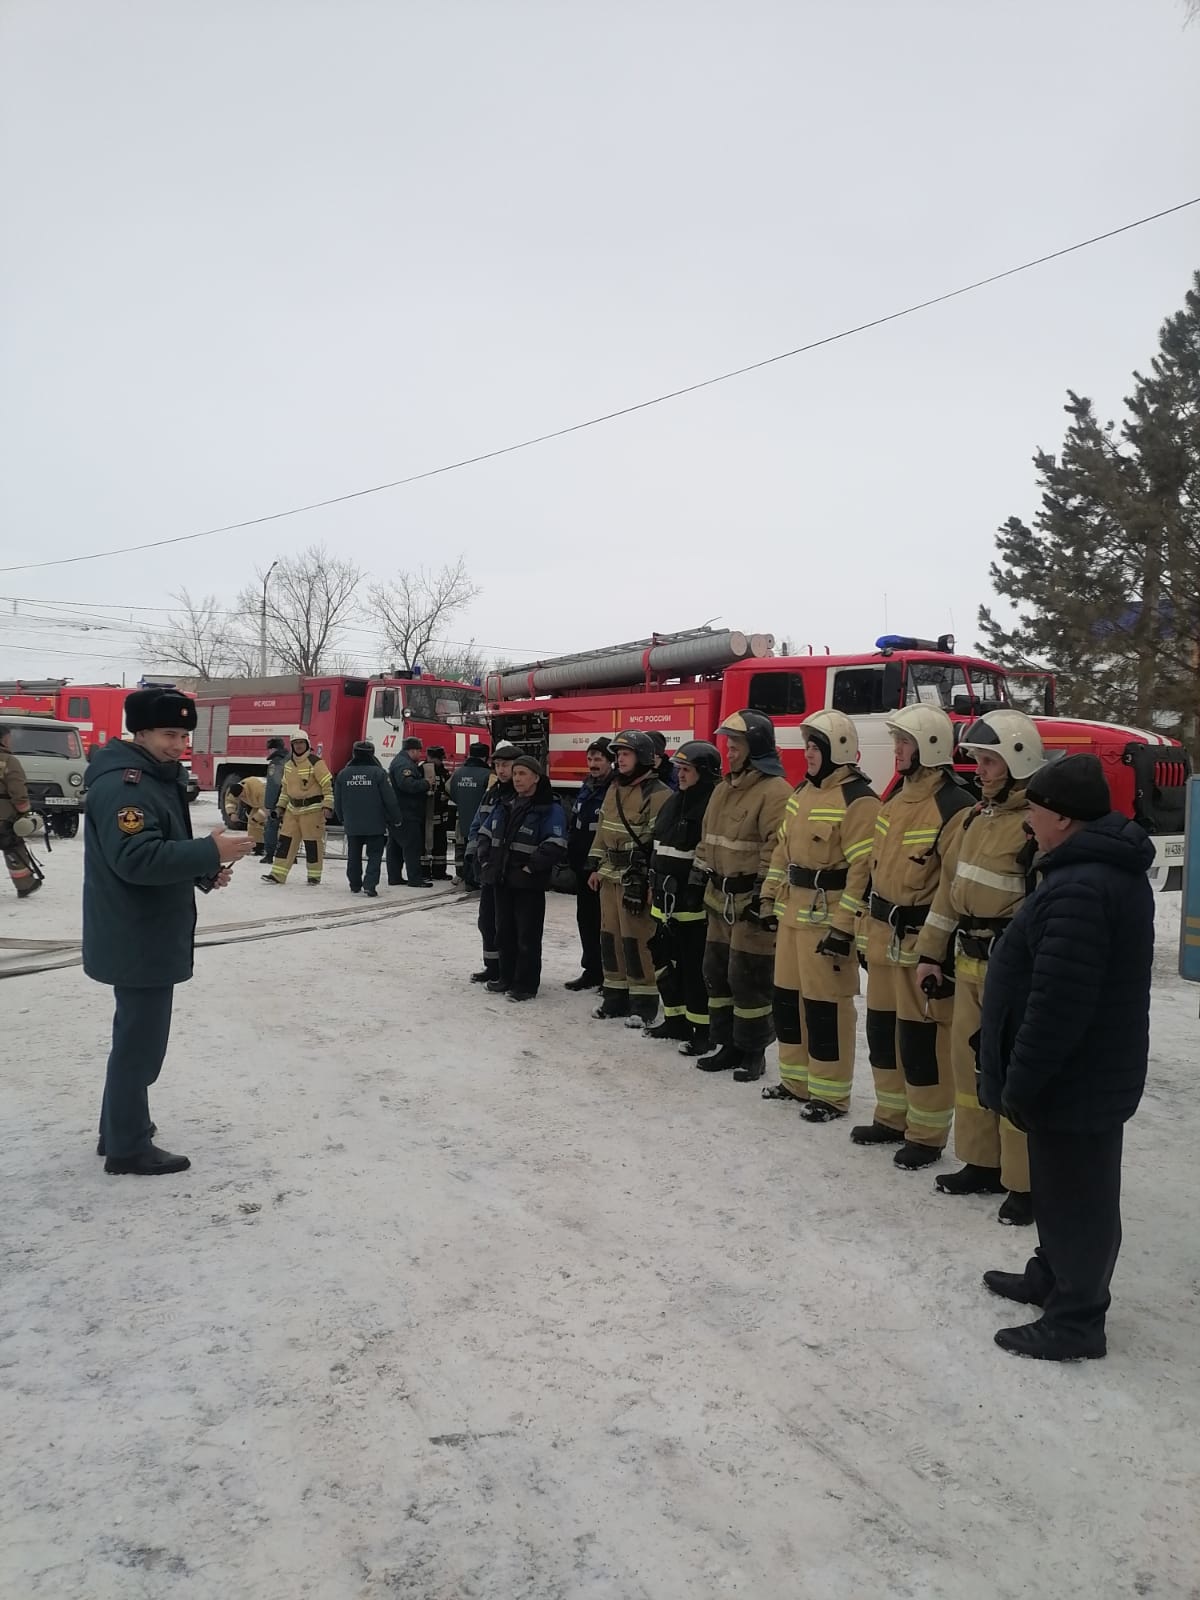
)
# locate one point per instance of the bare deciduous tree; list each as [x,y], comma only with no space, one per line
[415,607]
[310,599]
[202,640]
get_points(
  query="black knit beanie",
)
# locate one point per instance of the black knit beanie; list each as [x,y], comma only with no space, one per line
[1073,787]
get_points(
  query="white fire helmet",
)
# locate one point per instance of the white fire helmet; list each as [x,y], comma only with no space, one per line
[835,733]
[298,736]
[931,731]
[1012,736]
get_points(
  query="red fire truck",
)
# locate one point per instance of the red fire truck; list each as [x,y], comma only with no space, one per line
[684,684]
[96,709]
[236,717]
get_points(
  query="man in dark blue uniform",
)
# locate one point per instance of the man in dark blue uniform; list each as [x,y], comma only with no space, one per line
[367,806]
[581,836]
[406,845]
[276,761]
[141,871]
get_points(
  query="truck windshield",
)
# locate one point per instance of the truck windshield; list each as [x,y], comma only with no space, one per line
[429,702]
[34,741]
[936,683]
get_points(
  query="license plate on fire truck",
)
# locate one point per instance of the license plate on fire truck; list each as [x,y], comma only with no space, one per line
[57,800]
[1173,850]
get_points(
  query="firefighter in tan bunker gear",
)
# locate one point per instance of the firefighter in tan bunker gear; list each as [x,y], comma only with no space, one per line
[740,831]
[245,800]
[818,880]
[986,876]
[908,1029]
[620,869]
[306,800]
[18,821]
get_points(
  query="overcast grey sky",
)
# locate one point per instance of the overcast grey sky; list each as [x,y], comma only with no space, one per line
[264,251]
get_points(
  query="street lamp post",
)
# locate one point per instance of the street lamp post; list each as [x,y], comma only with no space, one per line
[262,624]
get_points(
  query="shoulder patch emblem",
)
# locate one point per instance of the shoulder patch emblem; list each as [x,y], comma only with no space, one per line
[132,775]
[131,819]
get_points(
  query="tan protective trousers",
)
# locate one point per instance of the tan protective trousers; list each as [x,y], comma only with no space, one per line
[814,1016]
[981,1138]
[908,1039]
[625,950]
[307,825]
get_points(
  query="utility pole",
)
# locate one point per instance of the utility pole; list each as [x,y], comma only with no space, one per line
[262,624]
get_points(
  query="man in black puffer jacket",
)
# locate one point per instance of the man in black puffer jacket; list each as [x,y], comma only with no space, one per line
[1064,1042]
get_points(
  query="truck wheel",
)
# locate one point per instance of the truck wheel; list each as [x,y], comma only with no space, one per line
[66,827]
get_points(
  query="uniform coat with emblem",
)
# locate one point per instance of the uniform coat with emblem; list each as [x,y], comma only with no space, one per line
[141,869]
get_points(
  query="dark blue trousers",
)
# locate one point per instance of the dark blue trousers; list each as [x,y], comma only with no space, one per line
[141,1029]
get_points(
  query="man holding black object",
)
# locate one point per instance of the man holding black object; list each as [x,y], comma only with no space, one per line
[1063,1049]
[141,870]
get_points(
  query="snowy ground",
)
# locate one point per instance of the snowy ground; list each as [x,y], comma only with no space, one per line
[462,1300]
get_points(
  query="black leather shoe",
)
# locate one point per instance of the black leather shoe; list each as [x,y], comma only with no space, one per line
[1041,1343]
[100,1140]
[485,976]
[1017,1210]
[971,1180]
[875,1133]
[517,995]
[152,1163]
[1011,1286]
[585,980]
[911,1156]
[497,986]
[371,894]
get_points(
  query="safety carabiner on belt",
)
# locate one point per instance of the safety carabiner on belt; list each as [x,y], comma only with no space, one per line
[728,912]
[896,944]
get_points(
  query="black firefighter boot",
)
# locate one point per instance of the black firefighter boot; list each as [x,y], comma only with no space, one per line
[585,980]
[487,974]
[910,1157]
[971,1180]
[875,1133]
[723,1059]
[753,1067]
[670,1028]
[699,1043]
[613,1003]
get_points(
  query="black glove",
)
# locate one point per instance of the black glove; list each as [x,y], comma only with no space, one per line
[836,945]
[761,913]
[938,988]
[697,878]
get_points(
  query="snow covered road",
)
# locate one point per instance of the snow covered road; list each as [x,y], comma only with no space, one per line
[467,1300]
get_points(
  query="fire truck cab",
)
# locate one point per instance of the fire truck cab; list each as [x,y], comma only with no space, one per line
[236,717]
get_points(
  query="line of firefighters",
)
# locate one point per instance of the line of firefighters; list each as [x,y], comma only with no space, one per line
[747,909]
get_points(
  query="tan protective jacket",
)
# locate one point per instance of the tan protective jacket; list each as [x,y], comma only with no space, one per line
[14,792]
[613,850]
[981,877]
[912,835]
[740,832]
[827,828]
[305,782]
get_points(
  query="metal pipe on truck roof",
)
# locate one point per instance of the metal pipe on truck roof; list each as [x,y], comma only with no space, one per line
[681,657]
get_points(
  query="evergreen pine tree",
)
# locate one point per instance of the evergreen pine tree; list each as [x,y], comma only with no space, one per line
[1106,582]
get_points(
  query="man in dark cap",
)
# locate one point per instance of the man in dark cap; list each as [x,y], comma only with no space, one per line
[1064,1042]
[141,870]
[467,786]
[581,836]
[276,761]
[367,806]
[406,843]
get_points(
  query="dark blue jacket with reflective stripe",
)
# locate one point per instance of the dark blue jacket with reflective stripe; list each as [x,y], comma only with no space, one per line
[523,840]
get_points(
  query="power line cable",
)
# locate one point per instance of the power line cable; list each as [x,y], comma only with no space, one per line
[622,411]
